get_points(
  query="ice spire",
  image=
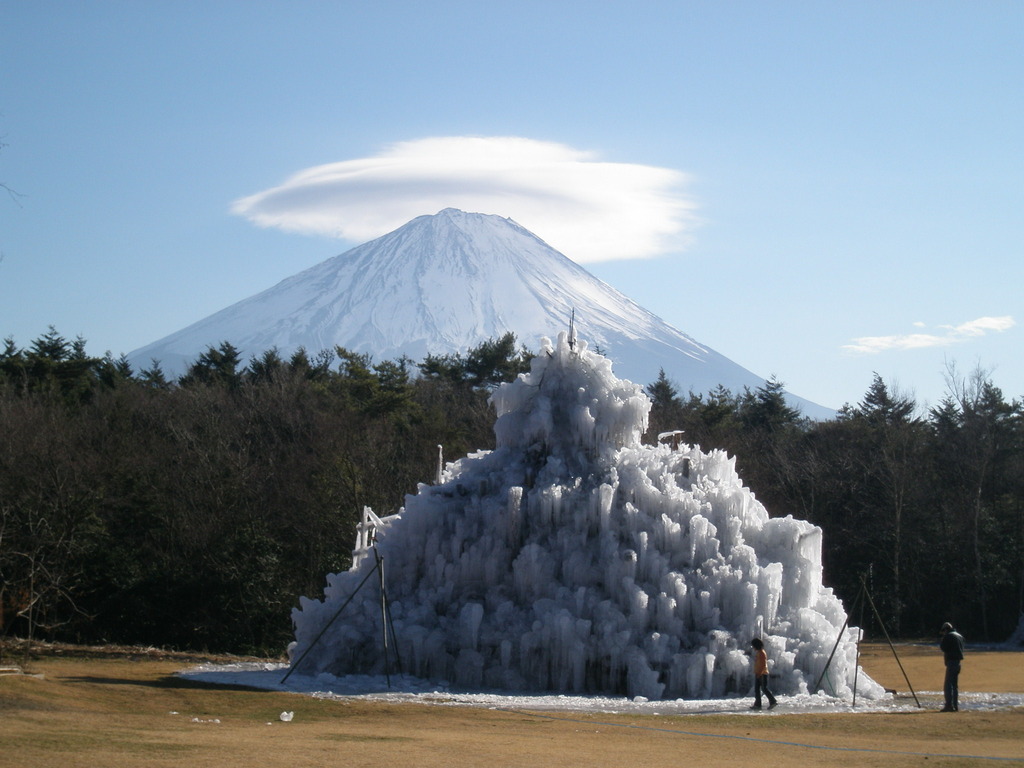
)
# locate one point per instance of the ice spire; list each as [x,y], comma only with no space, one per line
[573,558]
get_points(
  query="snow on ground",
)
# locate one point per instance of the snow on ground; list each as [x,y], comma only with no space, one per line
[407,689]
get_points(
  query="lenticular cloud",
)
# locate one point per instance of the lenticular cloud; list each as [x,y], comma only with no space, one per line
[572,558]
[590,209]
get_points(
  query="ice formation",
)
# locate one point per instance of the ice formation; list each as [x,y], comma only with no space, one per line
[573,558]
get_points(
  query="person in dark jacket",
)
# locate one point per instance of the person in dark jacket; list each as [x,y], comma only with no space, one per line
[952,646]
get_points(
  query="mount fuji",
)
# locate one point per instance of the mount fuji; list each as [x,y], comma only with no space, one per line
[444,283]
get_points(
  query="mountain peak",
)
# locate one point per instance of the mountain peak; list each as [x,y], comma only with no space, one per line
[444,283]
[457,214]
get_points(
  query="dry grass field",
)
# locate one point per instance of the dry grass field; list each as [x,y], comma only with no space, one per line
[120,708]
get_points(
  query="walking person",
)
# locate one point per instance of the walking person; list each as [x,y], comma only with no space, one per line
[761,675]
[952,646]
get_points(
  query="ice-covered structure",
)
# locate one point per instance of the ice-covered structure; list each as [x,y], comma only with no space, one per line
[573,558]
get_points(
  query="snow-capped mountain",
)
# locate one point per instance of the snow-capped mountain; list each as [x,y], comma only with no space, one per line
[445,283]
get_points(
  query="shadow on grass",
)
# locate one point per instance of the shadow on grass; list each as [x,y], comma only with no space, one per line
[165,682]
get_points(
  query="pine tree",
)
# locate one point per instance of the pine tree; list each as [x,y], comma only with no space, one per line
[766,410]
[666,408]
[217,365]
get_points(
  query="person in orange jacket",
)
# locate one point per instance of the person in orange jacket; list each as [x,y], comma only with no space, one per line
[761,675]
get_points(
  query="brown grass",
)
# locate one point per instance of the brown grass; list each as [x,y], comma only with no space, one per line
[127,708]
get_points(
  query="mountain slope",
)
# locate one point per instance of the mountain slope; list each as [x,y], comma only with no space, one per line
[444,283]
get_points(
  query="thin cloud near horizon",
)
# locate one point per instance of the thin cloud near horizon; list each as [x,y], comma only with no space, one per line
[589,209]
[952,334]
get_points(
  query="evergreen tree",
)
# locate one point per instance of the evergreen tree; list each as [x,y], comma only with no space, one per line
[217,365]
[881,407]
[153,377]
[114,372]
[666,408]
[888,447]
[495,361]
[267,367]
[765,409]
[975,444]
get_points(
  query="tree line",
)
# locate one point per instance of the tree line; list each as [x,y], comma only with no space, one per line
[191,513]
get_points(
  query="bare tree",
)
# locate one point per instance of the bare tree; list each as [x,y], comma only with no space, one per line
[14,195]
[979,413]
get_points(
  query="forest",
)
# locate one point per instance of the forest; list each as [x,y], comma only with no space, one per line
[192,513]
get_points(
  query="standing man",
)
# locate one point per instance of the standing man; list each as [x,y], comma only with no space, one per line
[952,645]
[761,675]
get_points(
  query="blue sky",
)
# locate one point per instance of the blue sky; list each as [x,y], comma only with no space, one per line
[816,190]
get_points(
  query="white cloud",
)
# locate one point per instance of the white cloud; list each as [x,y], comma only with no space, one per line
[589,209]
[980,327]
[952,334]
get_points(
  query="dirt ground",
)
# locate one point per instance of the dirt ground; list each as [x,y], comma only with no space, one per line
[124,707]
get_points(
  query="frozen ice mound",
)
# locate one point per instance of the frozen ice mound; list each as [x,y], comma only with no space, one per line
[574,559]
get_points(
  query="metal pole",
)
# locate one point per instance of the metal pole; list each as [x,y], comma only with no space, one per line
[821,677]
[891,646]
[391,625]
[860,635]
[383,616]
